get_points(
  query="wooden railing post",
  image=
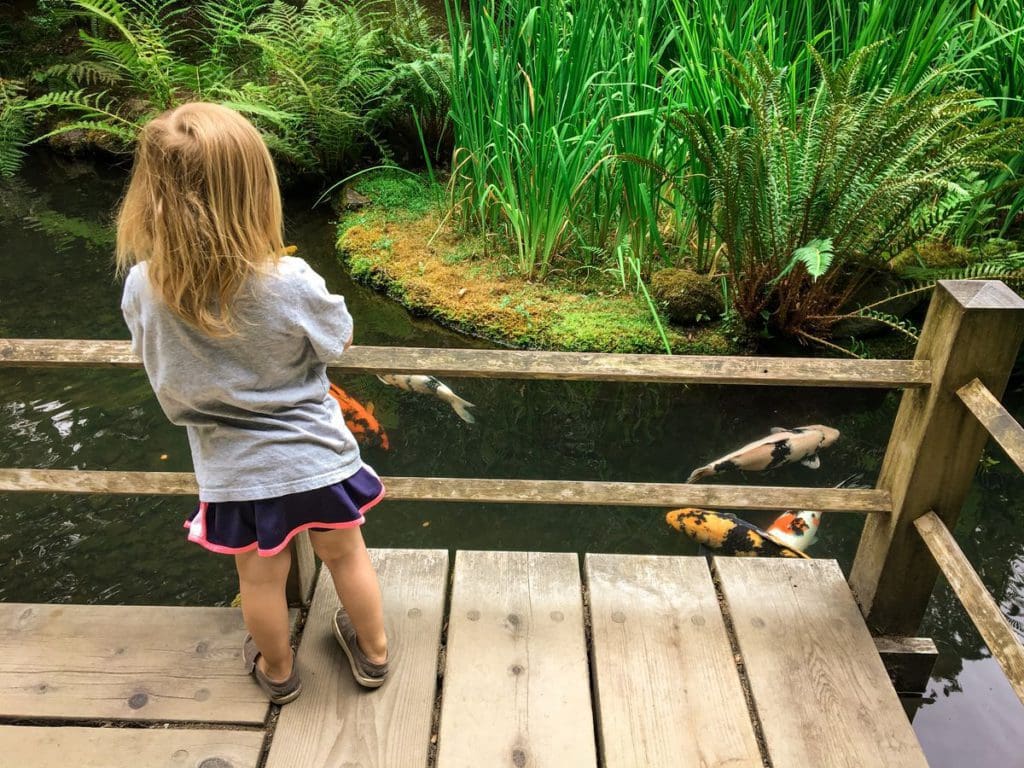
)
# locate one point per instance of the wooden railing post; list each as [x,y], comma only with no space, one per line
[973,329]
[302,576]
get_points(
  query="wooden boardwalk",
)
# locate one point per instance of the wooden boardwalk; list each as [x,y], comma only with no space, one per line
[501,659]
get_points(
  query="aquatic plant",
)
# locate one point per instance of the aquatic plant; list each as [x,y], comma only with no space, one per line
[860,171]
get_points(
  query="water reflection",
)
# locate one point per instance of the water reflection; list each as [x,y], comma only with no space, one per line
[55,281]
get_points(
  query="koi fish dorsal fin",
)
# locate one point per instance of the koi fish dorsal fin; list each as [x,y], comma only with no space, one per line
[777,430]
[369,408]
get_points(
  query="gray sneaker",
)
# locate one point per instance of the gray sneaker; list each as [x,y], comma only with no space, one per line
[366,673]
[278,693]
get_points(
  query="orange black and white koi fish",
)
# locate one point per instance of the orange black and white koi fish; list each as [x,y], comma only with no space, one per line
[361,422]
[728,534]
[428,385]
[796,529]
[782,446]
[799,529]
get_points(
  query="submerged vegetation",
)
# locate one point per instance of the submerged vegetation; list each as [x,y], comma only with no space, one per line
[815,166]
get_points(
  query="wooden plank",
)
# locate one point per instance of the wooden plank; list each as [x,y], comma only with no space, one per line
[515,364]
[973,330]
[997,420]
[667,690]
[819,687]
[516,689]
[335,722]
[60,747]
[993,627]
[489,491]
[126,663]
[908,661]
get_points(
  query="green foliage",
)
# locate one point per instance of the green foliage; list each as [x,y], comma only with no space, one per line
[857,169]
[13,127]
[322,81]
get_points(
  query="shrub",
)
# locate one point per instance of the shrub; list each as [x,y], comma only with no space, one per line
[809,197]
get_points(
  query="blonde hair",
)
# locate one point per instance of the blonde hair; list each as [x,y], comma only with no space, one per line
[203,209]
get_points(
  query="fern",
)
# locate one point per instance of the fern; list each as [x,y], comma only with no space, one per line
[859,169]
[14,127]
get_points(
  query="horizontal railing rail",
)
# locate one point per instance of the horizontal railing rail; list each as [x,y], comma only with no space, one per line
[558,492]
[516,364]
[995,630]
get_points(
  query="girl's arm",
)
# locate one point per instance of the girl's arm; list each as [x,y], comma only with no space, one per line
[323,317]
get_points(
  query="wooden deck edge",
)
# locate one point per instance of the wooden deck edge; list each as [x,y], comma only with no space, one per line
[909,662]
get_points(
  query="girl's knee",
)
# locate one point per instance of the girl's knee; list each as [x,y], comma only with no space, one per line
[254,569]
[335,547]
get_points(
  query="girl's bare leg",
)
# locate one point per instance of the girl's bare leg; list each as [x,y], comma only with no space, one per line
[261,582]
[344,553]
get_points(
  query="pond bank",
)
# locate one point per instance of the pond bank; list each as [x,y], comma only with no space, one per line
[396,243]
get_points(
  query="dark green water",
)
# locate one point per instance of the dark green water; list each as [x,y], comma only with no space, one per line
[55,282]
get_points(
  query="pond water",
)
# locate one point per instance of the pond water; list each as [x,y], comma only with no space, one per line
[56,282]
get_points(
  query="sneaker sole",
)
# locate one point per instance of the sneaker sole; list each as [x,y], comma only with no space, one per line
[363,680]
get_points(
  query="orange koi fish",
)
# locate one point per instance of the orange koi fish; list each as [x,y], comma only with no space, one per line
[728,534]
[360,421]
[796,529]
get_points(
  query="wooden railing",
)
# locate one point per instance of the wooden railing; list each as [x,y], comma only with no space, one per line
[968,345]
[995,630]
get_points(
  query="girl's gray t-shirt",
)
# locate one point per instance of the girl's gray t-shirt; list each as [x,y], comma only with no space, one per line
[255,404]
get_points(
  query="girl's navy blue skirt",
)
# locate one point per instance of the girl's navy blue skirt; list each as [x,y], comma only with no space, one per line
[267,525]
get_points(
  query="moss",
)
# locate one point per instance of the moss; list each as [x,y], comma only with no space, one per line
[476,294]
[686,297]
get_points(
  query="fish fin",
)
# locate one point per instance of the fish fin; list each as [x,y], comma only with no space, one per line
[811,462]
[700,473]
[461,407]
[776,430]
[369,408]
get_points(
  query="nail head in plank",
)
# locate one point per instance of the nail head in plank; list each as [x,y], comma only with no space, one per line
[516,689]
[335,722]
[60,747]
[519,364]
[490,491]
[126,663]
[667,690]
[820,689]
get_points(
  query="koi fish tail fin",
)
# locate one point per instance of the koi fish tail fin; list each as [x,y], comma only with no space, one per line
[461,407]
[700,473]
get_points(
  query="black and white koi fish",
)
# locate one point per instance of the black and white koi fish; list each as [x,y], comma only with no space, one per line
[428,385]
[782,446]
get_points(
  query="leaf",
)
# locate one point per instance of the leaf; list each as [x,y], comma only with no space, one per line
[816,256]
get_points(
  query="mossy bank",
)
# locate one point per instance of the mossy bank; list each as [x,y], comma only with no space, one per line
[395,241]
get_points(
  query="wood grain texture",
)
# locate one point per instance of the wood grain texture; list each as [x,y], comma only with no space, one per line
[126,663]
[516,689]
[973,330]
[512,364]
[820,689]
[64,747]
[995,630]
[667,690]
[572,492]
[1003,428]
[337,723]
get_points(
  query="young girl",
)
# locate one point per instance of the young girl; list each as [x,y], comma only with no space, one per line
[234,337]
